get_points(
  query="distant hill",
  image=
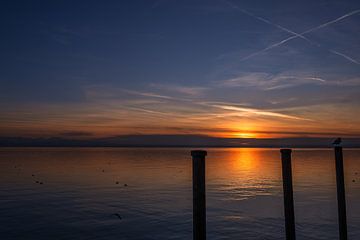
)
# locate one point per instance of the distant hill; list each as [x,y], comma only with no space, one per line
[174,141]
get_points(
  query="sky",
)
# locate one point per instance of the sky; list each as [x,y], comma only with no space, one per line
[223,68]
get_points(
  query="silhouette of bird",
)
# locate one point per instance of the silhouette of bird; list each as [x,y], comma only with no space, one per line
[337,141]
[118,215]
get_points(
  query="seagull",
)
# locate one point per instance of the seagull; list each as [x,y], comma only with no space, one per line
[337,141]
[118,215]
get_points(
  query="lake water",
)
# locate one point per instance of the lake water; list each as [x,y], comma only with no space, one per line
[151,189]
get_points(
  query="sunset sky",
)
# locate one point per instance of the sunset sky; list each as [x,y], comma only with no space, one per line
[247,69]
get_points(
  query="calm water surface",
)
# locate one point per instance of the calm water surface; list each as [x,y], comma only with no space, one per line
[151,190]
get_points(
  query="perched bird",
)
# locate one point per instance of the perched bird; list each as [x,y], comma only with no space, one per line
[337,141]
[118,215]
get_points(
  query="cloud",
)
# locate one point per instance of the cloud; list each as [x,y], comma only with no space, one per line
[108,92]
[266,81]
[147,94]
[76,134]
[181,89]
[254,111]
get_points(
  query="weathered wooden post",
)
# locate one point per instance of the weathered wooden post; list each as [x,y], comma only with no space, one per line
[199,203]
[288,194]
[340,192]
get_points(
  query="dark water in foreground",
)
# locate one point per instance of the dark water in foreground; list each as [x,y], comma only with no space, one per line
[79,194]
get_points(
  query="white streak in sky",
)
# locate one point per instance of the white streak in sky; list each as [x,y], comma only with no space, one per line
[147,94]
[333,21]
[257,112]
[308,31]
[306,78]
[268,48]
[269,22]
[345,56]
[296,35]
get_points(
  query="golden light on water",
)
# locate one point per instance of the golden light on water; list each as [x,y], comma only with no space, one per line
[245,159]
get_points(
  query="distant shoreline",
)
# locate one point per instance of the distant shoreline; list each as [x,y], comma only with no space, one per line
[194,147]
[177,141]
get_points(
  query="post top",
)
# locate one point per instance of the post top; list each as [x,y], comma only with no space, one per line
[198,153]
[285,150]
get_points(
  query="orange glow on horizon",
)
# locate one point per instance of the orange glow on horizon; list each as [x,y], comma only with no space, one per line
[243,130]
[95,122]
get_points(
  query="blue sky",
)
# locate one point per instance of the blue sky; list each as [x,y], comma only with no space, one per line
[216,67]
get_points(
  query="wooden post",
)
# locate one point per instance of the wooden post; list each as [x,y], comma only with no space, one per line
[288,194]
[340,193]
[199,204]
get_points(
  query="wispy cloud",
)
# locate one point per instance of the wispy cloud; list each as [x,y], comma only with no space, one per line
[181,89]
[105,91]
[268,81]
[254,111]
[147,94]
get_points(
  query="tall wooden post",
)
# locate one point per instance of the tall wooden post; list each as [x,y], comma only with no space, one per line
[288,194]
[199,203]
[340,192]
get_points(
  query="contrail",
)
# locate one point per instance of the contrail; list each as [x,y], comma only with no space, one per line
[257,112]
[269,22]
[295,35]
[345,56]
[268,48]
[308,31]
[333,21]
